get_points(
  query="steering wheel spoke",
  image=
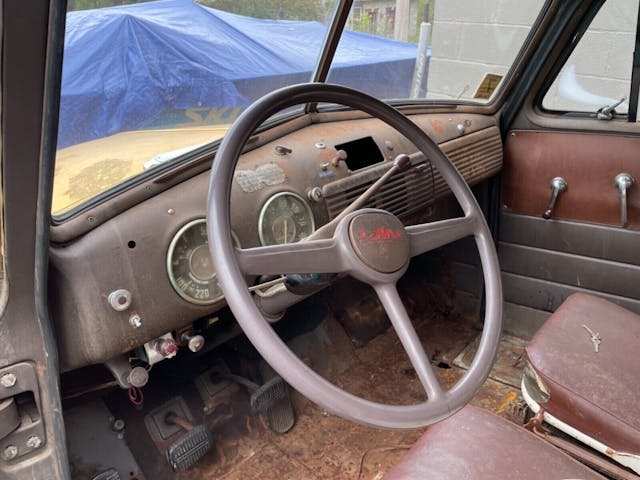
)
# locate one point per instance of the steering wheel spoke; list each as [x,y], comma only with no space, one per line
[315,256]
[429,236]
[388,295]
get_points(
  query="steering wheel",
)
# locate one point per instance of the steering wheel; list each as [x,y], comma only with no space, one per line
[369,244]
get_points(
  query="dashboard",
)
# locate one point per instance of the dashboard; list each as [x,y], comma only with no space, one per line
[146,271]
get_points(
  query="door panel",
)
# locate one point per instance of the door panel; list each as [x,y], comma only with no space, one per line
[589,164]
[583,247]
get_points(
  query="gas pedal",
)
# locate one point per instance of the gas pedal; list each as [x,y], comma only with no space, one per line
[110,474]
[273,403]
[189,448]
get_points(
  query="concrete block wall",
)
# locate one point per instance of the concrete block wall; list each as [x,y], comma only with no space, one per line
[602,60]
[474,37]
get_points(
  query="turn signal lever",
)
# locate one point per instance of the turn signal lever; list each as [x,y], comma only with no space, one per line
[558,185]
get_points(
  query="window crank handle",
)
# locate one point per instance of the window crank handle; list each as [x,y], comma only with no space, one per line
[558,185]
[623,182]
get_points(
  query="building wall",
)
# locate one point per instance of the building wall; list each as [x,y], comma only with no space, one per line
[474,37]
[385,16]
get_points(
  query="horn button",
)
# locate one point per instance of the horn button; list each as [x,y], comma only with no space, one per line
[380,241]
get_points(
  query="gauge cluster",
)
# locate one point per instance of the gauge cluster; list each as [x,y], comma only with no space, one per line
[285,218]
[189,265]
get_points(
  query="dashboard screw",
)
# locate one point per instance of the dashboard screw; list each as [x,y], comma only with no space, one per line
[8,380]
[135,320]
[171,211]
[34,442]
[10,452]
[118,425]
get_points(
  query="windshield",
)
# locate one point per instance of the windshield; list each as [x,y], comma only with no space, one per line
[144,83]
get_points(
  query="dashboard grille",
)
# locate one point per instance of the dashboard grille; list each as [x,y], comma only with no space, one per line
[402,195]
[477,156]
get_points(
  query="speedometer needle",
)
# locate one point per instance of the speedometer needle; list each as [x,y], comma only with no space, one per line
[285,230]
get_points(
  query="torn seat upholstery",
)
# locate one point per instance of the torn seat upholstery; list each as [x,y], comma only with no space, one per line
[596,391]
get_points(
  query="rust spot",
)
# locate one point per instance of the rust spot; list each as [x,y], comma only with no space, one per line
[508,398]
[437,126]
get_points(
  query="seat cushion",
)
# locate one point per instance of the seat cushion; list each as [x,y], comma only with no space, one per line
[474,444]
[596,392]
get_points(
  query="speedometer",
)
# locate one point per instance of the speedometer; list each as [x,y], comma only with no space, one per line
[285,218]
[189,265]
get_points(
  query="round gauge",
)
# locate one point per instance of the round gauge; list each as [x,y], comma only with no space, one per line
[285,218]
[189,264]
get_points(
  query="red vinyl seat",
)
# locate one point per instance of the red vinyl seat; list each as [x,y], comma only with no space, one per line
[595,392]
[475,444]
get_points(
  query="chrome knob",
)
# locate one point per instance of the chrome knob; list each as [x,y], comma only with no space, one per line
[315,194]
[623,182]
[558,185]
[194,342]
[119,299]
[341,156]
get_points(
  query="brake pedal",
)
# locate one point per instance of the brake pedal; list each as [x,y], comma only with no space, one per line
[190,447]
[273,402]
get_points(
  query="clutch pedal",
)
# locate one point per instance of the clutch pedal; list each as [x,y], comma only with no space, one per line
[190,447]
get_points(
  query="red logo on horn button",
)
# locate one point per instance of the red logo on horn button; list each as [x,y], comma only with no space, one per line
[380,235]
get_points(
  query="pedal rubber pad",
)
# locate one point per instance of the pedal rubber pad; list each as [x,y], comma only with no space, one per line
[273,402]
[110,474]
[189,448]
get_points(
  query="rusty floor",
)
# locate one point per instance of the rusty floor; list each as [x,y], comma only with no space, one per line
[320,445]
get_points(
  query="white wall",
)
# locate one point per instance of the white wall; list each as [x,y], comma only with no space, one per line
[474,37]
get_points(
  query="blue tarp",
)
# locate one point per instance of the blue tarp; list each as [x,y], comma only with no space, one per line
[135,66]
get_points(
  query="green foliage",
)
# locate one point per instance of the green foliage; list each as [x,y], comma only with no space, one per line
[89,4]
[274,9]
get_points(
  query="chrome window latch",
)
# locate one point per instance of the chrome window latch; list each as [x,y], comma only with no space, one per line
[623,182]
[558,185]
[607,112]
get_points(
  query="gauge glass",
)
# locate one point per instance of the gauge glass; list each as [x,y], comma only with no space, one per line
[190,267]
[285,218]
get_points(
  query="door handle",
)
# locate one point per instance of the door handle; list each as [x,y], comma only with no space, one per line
[558,185]
[623,182]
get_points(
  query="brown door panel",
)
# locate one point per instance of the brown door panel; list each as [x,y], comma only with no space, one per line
[589,164]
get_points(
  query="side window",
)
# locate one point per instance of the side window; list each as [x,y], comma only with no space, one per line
[598,71]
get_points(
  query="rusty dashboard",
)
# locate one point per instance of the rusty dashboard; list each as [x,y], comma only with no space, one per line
[314,171]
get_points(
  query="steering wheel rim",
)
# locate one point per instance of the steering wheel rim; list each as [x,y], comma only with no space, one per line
[228,261]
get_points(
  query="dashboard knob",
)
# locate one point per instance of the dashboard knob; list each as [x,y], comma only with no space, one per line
[138,377]
[315,194]
[119,299]
[341,156]
[196,343]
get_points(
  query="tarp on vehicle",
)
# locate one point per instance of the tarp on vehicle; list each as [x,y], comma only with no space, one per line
[175,62]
